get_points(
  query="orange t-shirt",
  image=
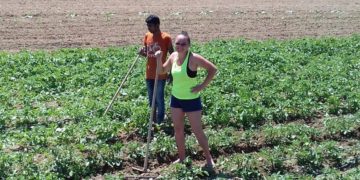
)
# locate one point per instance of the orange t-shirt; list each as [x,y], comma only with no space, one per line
[152,44]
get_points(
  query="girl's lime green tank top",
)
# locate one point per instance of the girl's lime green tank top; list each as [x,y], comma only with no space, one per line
[182,83]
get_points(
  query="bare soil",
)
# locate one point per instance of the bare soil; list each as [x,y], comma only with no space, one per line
[53,24]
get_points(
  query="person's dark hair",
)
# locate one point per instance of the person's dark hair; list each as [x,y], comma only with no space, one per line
[184,33]
[152,19]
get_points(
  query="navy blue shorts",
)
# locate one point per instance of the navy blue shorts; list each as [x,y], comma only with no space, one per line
[187,105]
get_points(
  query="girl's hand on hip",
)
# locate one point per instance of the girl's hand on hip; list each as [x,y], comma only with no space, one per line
[197,88]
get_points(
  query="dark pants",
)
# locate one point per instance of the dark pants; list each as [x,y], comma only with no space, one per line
[159,101]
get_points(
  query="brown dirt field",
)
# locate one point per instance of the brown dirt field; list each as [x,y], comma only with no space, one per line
[52,24]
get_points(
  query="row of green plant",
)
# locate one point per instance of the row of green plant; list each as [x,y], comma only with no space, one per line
[83,156]
[282,80]
[257,81]
[301,159]
[229,140]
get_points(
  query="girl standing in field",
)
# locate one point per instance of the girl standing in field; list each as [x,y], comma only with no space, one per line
[185,99]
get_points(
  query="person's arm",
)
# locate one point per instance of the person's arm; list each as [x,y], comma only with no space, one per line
[163,68]
[171,47]
[143,50]
[210,68]
[170,50]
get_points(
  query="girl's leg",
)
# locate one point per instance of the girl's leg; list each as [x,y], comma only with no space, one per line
[195,122]
[177,116]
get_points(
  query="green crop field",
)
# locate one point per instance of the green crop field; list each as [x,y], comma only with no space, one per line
[276,110]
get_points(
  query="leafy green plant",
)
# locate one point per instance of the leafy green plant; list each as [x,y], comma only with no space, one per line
[222,140]
[244,166]
[310,159]
[273,159]
[163,147]
[283,134]
[134,151]
[183,171]
[343,126]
